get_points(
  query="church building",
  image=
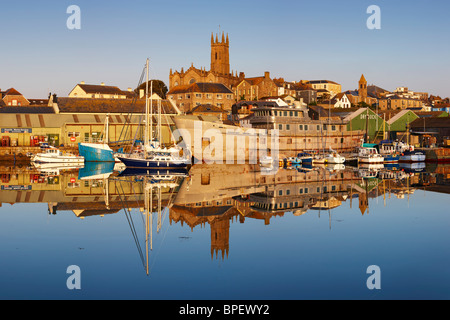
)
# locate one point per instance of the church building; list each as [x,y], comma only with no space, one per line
[218,73]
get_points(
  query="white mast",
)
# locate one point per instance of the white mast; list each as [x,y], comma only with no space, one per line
[146,135]
[151,112]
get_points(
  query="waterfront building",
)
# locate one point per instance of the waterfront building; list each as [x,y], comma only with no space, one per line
[298,132]
[431,131]
[68,121]
[397,125]
[367,121]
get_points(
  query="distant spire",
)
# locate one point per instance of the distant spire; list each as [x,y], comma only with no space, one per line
[362,78]
[227,39]
[217,39]
[223,37]
[212,37]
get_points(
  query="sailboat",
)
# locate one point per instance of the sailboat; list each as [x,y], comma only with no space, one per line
[152,155]
[97,151]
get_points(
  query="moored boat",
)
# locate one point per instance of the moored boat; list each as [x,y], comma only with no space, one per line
[369,155]
[412,156]
[153,156]
[96,152]
[54,155]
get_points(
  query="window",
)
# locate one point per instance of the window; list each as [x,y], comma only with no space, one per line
[208,96]
[280,192]
[219,96]
[300,127]
[73,134]
[280,127]
[229,96]
[306,127]
[198,95]
[288,127]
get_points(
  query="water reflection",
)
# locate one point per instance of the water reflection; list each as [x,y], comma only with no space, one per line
[214,195]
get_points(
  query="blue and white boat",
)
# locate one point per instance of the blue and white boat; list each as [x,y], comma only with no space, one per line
[153,161]
[389,150]
[96,152]
[412,156]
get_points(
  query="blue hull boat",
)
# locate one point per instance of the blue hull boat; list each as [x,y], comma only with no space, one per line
[391,158]
[150,163]
[153,171]
[96,152]
[92,170]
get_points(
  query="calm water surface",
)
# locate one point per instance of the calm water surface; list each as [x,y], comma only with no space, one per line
[226,232]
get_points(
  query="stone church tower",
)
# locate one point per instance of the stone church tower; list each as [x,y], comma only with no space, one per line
[219,72]
[362,89]
[220,55]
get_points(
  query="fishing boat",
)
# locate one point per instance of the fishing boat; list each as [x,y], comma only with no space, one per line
[412,156]
[389,150]
[97,151]
[369,155]
[54,155]
[151,156]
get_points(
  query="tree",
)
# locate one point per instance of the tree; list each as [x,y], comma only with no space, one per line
[159,87]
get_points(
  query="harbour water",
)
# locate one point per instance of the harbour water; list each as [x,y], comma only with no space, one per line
[226,232]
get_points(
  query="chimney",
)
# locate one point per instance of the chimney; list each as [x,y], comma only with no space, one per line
[129,89]
[82,82]
[141,93]
[267,74]
[102,84]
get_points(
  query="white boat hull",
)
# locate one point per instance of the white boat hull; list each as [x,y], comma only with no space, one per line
[371,160]
[43,158]
[335,160]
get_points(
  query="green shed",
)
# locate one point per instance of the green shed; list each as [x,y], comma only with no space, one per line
[366,120]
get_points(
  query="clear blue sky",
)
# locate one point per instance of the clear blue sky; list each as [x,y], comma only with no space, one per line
[293,39]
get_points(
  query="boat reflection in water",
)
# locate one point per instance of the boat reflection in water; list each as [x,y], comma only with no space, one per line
[208,194]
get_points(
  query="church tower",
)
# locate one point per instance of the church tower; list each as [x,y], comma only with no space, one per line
[362,91]
[220,57]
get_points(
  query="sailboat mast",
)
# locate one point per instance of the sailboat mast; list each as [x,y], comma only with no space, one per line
[159,122]
[151,112]
[107,129]
[146,135]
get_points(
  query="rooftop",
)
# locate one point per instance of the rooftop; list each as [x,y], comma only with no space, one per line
[80,105]
[203,87]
